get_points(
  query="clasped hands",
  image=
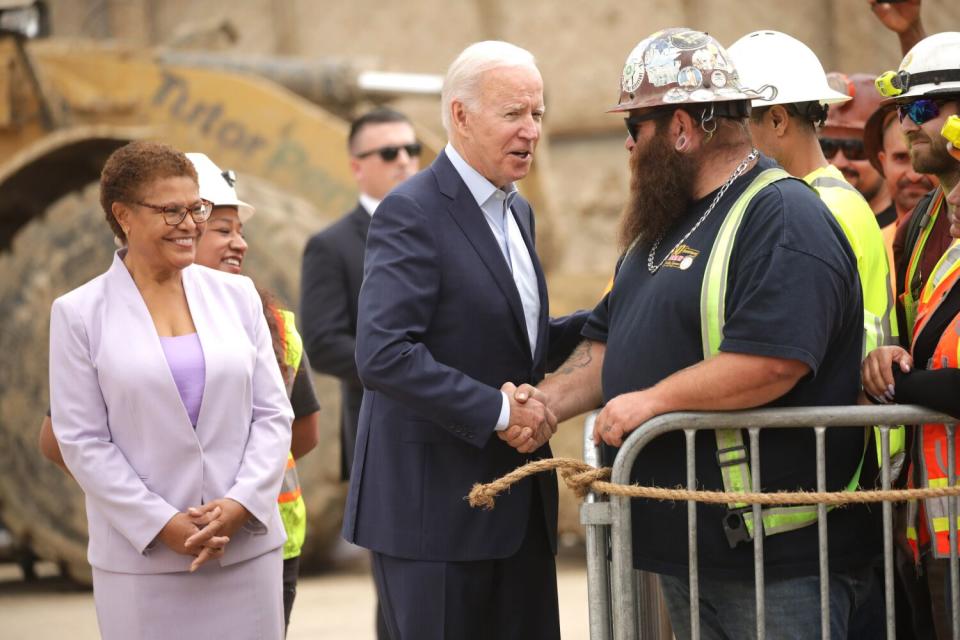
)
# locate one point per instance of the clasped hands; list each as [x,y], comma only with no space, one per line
[531,423]
[618,418]
[204,531]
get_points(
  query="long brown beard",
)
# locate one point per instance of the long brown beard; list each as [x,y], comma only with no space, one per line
[661,184]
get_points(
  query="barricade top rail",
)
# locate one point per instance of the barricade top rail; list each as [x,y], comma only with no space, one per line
[775,418]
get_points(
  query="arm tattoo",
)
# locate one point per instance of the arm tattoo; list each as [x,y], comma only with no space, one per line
[579,359]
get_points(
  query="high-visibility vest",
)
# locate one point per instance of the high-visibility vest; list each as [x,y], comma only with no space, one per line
[859,225]
[731,449]
[930,458]
[293,510]
[913,277]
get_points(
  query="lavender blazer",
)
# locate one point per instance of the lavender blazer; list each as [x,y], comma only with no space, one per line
[124,431]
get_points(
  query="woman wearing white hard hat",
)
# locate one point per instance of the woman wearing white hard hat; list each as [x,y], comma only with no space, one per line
[223,247]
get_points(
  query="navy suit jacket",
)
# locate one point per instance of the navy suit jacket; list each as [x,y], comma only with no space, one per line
[440,329]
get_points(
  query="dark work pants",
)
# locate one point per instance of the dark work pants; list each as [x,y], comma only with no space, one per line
[506,599]
[291,569]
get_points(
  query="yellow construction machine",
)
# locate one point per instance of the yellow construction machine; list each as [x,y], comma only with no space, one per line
[64,107]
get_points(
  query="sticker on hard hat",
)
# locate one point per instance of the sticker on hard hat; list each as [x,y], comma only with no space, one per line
[709,58]
[675,95]
[690,78]
[662,64]
[689,39]
[632,75]
[718,79]
[702,95]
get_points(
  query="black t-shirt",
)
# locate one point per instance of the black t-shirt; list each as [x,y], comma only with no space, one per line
[303,397]
[793,292]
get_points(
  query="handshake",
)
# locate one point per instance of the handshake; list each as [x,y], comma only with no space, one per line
[531,423]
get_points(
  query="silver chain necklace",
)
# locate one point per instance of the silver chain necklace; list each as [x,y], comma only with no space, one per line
[653,268]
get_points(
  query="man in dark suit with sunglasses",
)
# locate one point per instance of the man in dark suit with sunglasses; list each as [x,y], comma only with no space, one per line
[383,153]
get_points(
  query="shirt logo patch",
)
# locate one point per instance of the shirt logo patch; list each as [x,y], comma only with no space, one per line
[682,258]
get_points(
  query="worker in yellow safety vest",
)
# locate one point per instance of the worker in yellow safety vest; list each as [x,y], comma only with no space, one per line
[785,128]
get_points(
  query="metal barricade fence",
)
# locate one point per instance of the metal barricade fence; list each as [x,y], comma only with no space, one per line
[626,604]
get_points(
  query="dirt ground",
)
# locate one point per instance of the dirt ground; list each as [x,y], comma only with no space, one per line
[334,605]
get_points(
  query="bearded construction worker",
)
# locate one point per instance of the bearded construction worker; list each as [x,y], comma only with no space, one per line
[737,289]
[926,91]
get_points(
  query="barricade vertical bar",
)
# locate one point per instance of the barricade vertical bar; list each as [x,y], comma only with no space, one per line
[623,590]
[888,559]
[952,530]
[598,567]
[758,576]
[823,549]
[691,435]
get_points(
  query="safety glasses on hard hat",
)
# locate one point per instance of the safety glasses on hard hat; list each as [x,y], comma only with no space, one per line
[852,148]
[633,122]
[920,110]
[390,153]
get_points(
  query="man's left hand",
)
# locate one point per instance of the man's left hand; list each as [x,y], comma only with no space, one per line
[622,415]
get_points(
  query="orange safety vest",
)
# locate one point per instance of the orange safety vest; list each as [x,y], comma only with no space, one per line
[929,521]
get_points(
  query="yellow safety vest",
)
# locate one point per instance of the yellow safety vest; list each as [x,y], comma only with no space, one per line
[731,449]
[293,510]
[860,226]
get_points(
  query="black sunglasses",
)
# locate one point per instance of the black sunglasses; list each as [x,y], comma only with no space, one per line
[851,147]
[390,153]
[633,122]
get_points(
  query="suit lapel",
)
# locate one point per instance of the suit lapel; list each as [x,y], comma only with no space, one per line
[143,332]
[206,332]
[467,214]
[361,222]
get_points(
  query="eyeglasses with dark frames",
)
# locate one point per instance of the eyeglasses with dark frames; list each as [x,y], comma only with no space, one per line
[390,152]
[852,148]
[174,214]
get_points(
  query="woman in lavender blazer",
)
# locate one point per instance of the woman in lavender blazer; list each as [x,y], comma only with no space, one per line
[172,415]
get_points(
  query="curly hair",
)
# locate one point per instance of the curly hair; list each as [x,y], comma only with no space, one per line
[134,165]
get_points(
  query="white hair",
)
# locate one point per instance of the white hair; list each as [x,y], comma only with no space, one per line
[462,82]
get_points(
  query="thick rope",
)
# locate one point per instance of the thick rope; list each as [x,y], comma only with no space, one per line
[582,479]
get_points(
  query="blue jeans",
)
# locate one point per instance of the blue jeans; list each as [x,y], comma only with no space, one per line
[728,607]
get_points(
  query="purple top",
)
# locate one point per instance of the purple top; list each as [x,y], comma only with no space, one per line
[185,359]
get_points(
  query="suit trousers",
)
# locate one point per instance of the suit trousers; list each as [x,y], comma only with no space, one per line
[503,599]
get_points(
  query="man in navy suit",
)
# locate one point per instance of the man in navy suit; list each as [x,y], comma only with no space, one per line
[453,308]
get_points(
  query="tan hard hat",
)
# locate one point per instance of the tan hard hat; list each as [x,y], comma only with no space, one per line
[852,115]
[678,66]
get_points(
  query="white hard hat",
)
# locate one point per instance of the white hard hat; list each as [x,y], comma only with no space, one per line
[216,186]
[931,67]
[776,59]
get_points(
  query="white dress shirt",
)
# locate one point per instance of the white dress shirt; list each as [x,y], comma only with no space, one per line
[369,203]
[495,204]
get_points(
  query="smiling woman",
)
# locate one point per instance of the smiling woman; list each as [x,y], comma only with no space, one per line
[173,417]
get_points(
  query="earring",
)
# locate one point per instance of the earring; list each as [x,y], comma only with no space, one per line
[681,142]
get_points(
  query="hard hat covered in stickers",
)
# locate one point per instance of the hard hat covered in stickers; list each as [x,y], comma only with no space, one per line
[931,67]
[679,66]
[777,59]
